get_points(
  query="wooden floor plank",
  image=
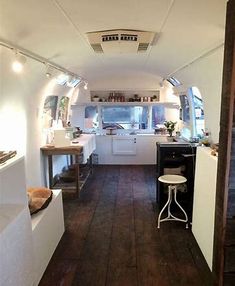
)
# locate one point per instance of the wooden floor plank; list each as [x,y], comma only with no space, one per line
[111,237]
[78,215]
[93,263]
[122,262]
[151,269]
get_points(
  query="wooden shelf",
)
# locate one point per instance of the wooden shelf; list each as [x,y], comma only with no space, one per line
[71,187]
[84,148]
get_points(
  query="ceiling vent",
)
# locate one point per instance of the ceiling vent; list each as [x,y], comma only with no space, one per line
[120,41]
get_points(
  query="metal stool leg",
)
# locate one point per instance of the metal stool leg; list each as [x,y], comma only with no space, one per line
[170,216]
[168,203]
[185,214]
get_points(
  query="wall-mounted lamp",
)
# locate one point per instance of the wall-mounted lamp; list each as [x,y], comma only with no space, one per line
[18,63]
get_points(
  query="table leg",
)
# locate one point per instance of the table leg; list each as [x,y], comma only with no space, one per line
[71,159]
[50,171]
[90,164]
[77,175]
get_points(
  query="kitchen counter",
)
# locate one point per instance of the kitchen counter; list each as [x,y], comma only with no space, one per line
[176,158]
[134,134]
[138,149]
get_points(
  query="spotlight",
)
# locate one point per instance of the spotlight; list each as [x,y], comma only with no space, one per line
[49,71]
[161,84]
[18,63]
[85,85]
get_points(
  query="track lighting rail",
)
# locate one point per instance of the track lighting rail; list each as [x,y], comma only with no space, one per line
[37,58]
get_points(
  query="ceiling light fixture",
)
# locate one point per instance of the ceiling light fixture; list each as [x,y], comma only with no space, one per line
[49,71]
[161,83]
[85,85]
[18,63]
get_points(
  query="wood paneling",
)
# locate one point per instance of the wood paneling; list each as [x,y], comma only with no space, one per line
[224,251]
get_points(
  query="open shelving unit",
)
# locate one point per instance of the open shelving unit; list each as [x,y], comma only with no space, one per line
[135,103]
[15,222]
[47,229]
[27,243]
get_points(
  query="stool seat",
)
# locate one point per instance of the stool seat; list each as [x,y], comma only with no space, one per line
[172,179]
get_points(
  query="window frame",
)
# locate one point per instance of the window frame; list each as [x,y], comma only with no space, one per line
[149,113]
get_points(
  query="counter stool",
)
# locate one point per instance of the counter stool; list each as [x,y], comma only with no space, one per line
[172,181]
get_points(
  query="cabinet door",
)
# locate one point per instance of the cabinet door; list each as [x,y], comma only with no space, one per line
[124,146]
[204,202]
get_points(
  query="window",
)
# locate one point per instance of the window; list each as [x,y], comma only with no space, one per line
[74,82]
[184,109]
[197,111]
[91,117]
[158,115]
[172,80]
[195,125]
[62,78]
[125,117]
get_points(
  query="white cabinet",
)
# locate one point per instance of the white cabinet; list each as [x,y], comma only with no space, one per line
[16,246]
[47,227]
[12,182]
[124,145]
[128,149]
[26,244]
[204,202]
[16,249]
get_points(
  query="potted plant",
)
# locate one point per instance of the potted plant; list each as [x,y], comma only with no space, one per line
[170,127]
[95,98]
[155,98]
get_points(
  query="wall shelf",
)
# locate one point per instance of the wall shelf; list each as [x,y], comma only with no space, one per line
[135,103]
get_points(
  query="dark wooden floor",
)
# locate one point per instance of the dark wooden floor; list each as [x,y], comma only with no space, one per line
[111,237]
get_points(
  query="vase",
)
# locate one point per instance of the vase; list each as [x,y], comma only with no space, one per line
[170,138]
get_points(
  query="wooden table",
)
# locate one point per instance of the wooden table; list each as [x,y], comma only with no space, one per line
[68,150]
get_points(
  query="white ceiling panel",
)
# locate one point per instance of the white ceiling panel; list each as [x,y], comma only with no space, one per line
[127,14]
[56,30]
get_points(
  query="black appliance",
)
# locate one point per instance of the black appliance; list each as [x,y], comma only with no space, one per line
[176,158]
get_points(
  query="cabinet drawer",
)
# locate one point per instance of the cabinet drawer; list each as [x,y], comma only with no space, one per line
[124,146]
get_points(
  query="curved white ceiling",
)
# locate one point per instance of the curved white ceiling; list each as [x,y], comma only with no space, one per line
[57,29]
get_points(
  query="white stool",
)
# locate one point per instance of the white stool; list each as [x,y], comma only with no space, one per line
[172,181]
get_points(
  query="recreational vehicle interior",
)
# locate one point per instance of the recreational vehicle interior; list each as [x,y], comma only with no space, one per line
[124,109]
